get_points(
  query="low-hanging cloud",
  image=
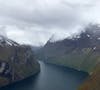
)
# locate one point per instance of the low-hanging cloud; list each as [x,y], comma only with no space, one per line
[34,21]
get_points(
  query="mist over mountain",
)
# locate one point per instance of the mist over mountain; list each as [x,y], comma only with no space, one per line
[27,19]
[80,51]
[53,31]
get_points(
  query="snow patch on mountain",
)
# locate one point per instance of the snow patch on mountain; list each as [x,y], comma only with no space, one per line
[4,41]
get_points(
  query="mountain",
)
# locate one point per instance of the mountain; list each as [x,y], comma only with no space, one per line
[17,61]
[81,51]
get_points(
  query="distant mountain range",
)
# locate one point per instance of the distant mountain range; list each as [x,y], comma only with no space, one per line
[16,61]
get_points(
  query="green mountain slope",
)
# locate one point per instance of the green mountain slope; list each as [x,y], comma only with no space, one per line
[81,52]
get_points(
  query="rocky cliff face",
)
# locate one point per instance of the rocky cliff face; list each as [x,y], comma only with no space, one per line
[16,61]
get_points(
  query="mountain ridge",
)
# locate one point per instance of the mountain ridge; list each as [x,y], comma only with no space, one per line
[76,51]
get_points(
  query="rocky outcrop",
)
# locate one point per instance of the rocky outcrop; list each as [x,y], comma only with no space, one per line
[16,62]
[93,81]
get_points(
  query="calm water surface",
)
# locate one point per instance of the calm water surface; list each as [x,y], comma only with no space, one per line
[51,77]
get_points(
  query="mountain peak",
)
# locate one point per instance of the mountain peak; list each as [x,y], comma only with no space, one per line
[4,41]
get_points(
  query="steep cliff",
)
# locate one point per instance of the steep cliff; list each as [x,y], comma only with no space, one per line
[16,61]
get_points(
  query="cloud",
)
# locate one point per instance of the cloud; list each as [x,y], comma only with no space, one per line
[34,21]
[2,31]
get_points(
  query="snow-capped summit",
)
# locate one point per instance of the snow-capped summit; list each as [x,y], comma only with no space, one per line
[4,41]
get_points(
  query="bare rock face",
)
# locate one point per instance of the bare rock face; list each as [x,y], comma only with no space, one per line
[16,62]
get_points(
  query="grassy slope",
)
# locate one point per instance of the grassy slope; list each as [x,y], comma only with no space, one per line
[82,59]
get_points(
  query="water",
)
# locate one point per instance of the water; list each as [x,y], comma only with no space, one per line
[51,77]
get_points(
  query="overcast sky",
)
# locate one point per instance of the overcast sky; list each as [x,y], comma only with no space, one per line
[35,21]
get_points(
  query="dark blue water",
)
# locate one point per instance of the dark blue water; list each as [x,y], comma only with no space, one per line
[51,77]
